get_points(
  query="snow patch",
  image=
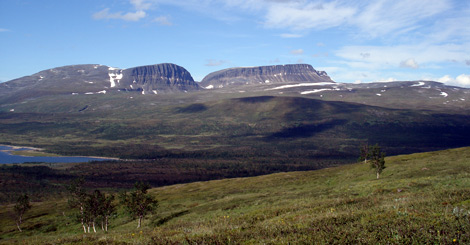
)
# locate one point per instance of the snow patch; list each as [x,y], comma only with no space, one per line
[462,99]
[74,93]
[102,92]
[383,90]
[115,76]
[379,94]
[143,91]
[210,87]
[12,110]
[241,91]
[316,91]
[444,94]
[155,91]
[267,81]
[418,85]
[302,85]
[89,93]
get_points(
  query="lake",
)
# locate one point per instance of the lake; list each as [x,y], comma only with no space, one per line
[6,157]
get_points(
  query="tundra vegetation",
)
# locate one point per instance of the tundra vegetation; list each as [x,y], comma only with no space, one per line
[422,198]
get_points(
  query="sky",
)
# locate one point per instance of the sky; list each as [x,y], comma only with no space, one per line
[352,40]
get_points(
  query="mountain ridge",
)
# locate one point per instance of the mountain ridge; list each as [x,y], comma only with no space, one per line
[264,74]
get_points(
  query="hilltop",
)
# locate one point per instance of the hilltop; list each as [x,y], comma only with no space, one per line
[420,198]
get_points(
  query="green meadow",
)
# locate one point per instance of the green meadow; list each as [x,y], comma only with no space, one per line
[421,198]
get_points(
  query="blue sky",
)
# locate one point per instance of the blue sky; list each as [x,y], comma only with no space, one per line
[352,40]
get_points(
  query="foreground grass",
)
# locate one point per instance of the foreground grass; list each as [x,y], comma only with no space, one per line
[420,198]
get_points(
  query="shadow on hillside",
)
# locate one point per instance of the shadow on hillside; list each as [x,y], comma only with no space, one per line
[305,131]
[193,108]
[258,99]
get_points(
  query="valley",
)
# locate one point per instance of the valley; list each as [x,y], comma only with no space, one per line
[266,127]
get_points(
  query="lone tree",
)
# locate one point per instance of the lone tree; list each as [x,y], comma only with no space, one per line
[377,159]
[139,203]
[22,205]
[365,153]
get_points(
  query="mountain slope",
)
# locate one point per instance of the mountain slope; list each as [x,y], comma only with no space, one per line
[420,198]
[260,126]
[98,79]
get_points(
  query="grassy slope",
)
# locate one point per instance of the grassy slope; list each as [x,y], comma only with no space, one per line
[413,202]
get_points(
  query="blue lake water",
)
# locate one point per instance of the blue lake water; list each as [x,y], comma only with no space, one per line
[6,157]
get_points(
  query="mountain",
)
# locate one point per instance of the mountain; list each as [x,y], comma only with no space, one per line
[99,79]
[264,75]
[155,78]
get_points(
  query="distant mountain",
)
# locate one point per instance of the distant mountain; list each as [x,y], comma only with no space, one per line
[99,79]
[156,78]
[264,75]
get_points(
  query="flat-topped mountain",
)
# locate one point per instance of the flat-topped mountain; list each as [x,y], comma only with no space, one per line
[264,74]
[99,79]
[157,78]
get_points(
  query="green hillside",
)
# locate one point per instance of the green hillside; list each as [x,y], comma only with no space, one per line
[420,198]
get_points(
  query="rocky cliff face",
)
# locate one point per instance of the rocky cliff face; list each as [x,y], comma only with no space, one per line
[264,74]
[161,78]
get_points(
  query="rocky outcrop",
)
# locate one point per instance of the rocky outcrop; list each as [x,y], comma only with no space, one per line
[154,79]
[264,74]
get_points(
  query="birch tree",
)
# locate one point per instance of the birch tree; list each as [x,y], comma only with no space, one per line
[78,200]
[365,153]
[139,203]
[22,205]
[377,159]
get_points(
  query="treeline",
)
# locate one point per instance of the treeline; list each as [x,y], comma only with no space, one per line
[43,181]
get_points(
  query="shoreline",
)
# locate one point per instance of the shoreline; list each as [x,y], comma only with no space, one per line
[15,147]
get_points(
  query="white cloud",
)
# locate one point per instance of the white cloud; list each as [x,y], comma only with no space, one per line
[141,4]
[302,15]
[297,52]
[462,80]
[409,63]
[446,79]
[392,17]
[382,57]
[386,80]
[163,21]
[3,30]
[213,62]
[131,16]
[290,35]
